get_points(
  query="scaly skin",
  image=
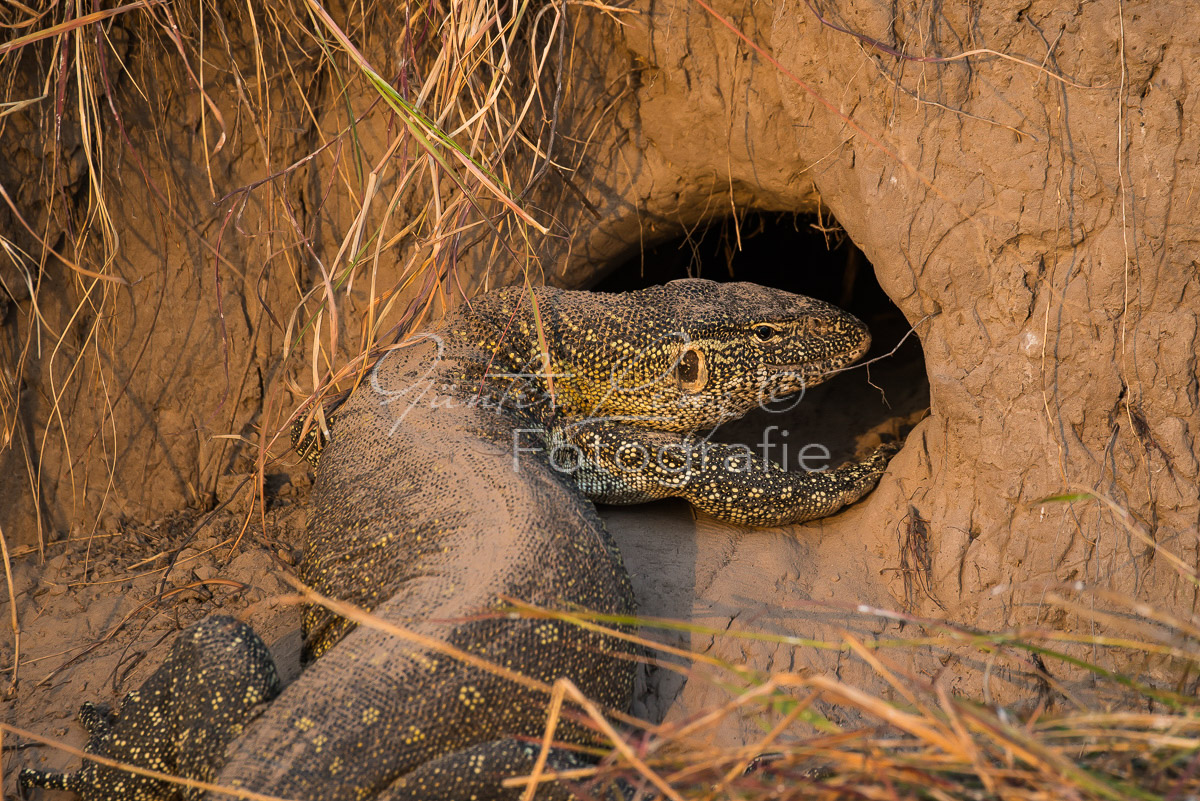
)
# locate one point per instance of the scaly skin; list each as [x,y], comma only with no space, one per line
[459,476]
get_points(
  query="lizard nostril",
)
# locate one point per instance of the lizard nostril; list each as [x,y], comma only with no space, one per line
[691,371]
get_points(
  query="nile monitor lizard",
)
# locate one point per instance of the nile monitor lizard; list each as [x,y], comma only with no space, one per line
[457,478]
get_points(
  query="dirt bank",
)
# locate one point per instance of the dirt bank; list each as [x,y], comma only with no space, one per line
[1019,176]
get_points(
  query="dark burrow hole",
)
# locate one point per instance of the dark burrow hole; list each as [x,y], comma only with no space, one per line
[799,253]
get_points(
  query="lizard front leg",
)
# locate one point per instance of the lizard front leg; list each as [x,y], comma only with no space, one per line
[178,722]
[622,464]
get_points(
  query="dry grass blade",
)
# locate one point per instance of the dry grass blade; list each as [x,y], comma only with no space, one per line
[1187,571]
[933,744]
[133,613]
[552,716]
[565,688]
[421,127]
[445,168]
[923,728]
[12,609]
[619,743]
[232,792]
[741,766]
[982,51]
[368,620]
[72,25]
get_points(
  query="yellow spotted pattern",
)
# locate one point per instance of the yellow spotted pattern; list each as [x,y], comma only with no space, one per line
[458,477]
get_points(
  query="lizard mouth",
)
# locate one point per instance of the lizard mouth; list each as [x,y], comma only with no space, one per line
[818,370]
[797,377]
[798,366]
[817,365]
[831,361]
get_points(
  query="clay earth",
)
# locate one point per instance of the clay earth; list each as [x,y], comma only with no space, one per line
[1033,218]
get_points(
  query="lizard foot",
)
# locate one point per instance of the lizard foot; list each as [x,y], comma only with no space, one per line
[178,722]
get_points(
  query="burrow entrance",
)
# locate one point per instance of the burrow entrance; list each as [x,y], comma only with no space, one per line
[811,256]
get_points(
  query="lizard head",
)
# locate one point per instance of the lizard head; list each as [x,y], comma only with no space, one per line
[693,354]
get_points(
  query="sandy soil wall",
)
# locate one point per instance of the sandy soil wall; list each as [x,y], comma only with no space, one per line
[1032,214]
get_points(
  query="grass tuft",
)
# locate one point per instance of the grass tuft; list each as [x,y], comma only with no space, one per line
[419,151]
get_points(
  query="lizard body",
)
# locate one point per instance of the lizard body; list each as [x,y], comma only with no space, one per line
[430,510]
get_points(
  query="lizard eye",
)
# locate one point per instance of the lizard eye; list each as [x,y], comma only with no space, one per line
[691,371]
[765,333]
